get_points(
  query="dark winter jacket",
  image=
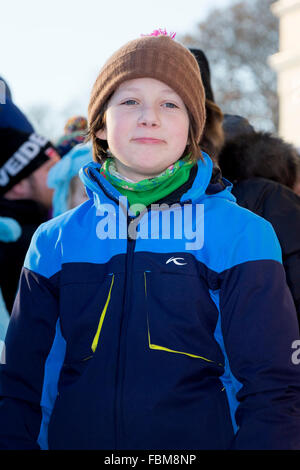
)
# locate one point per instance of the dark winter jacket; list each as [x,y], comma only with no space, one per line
[280,206]
[140,341]
[29,215]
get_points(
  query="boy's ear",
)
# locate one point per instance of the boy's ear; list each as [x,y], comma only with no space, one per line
[102,134]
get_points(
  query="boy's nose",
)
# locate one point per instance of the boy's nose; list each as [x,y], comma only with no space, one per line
[148,118]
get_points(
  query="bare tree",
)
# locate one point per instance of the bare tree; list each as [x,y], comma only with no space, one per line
[41,117]
[50,121]
[237,41]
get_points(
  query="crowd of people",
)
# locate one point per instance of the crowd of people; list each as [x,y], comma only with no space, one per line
[243,285]
[36,184]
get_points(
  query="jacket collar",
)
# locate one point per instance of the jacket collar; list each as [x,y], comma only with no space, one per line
[208,181]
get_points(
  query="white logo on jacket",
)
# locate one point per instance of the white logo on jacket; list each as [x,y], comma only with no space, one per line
[175,261]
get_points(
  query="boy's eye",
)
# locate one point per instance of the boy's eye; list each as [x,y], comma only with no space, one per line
[170,105]
[129,102]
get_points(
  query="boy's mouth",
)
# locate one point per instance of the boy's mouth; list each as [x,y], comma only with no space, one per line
[147,140]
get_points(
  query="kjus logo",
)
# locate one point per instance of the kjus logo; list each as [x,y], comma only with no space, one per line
[175,261]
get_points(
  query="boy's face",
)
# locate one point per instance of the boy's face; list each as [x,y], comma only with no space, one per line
[147,127]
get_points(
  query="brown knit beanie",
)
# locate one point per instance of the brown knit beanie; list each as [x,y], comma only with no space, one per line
[159,57]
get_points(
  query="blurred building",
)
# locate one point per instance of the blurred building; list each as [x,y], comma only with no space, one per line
[286,62]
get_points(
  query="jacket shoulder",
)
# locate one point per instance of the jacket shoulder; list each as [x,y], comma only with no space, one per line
[236,235]
[45,251]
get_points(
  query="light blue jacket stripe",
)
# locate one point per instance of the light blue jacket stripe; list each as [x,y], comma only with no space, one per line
[53,367]
[231,384]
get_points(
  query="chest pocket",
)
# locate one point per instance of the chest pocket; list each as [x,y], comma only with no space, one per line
[84,316]
[181,317]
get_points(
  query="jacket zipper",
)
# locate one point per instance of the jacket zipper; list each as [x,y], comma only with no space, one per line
[120,369]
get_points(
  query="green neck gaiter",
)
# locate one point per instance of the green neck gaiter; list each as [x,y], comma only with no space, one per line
[149,190]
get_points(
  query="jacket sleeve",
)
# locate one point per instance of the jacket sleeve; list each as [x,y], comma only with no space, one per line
[259,325]
[29,338]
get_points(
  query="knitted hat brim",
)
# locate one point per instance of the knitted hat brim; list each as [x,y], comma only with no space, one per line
[22,154]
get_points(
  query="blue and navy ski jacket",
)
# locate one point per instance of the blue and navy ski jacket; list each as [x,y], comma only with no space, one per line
[141,338]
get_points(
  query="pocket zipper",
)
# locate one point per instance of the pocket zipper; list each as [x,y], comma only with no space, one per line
[102,316]
[162,348]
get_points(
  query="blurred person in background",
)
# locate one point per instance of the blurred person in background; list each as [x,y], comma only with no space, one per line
[74,133]
[10,230]
[213,137]
[25,200]
[10,114]
[264,171]
[249,153]
[63,178]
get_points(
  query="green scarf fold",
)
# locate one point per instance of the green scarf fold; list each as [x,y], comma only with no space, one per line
[149,190]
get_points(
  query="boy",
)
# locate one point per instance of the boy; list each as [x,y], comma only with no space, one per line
[128,324]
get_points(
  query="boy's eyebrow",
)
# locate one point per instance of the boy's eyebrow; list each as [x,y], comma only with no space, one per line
[135,89]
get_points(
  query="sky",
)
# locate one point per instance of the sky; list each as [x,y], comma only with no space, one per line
[52,50]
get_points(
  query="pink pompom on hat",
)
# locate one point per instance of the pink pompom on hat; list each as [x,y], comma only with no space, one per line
[160,32]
